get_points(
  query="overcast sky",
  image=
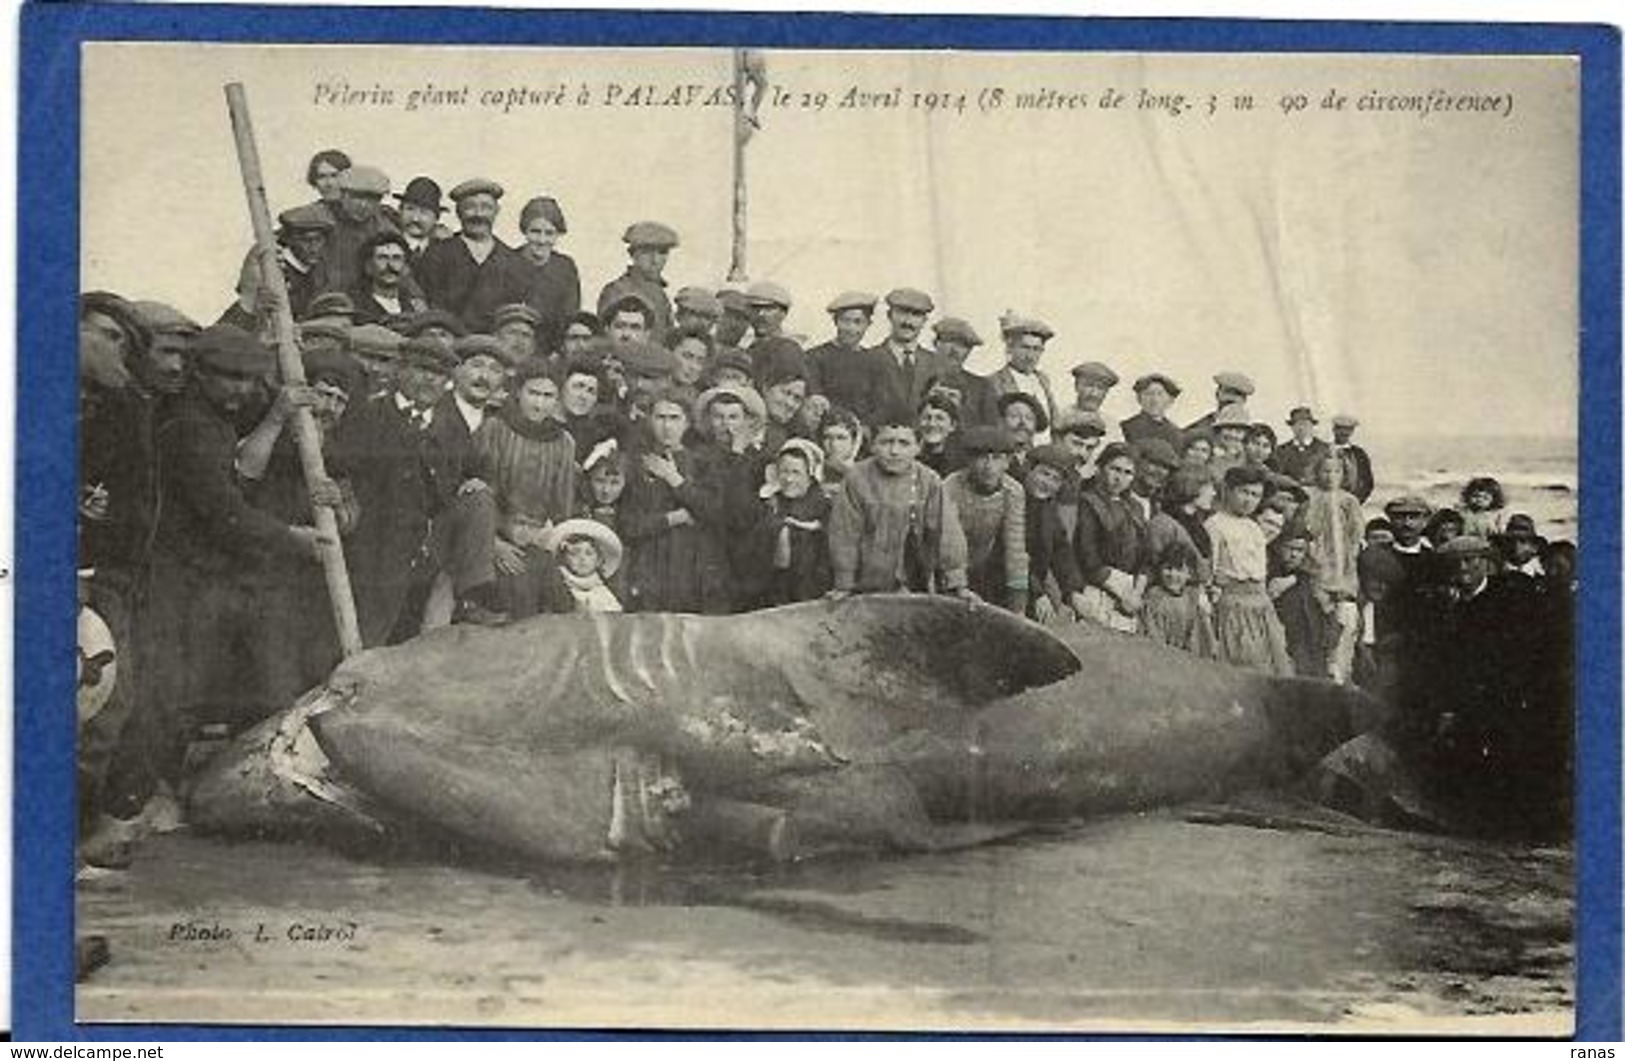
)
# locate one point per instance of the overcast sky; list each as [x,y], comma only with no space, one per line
[1419,272]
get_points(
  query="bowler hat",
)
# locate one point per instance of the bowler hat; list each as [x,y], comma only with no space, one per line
[331,304]
[421,191]
[1301,412]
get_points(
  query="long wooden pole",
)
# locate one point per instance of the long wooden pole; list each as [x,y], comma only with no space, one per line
[737,272]
[305,436]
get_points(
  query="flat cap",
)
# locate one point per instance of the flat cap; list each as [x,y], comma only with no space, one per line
[985,438]
[1345,420]
[1040,414]
[1052,455]
[648,360]
[1085,422]
[331,304]
[1094,370]
[1016,324]
[733,301]
[650,234]
[1464,546]
[911,299]
[1408,503]
[1157,451]
[307,218]
[476,186]
[767,293]
[1166,381]
[733,357]
[365,180]
[699,300]
[471,346]
[375,340]
[515,313]
[1301,412]
[330,329]
[414,324]
[852,300]
[746,395]
[428,351]
[1235,381]
[164,319]
[336,366]
[956,328]
[228,351]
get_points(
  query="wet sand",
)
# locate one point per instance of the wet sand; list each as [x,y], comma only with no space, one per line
[1171,918]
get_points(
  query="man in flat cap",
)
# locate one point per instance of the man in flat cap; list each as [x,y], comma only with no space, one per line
[978,403]
[1298,455]
[163,369]
[1024,342]
[734,324]
[1357,477]
[423,509]
[1229,388]
[1092,381]
[474,272]
[992,508]
[515,326]
[840,368]
[301,236]
[903,367]
[1155,392]
[420,209]
[696,308]
[358,218]
[386,289]
[649,243]
[211,632]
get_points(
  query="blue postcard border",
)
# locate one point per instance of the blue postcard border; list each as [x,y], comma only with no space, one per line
[48,261]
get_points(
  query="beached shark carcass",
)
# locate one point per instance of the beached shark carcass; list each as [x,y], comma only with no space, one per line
[885,722]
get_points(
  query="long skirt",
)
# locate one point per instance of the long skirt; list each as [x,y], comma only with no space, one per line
[1247,631]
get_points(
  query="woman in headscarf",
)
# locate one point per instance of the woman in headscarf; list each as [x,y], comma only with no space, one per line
[1112,544]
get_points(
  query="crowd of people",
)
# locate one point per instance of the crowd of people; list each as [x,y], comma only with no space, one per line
[495,450]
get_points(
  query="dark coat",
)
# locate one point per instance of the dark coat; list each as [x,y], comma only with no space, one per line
[1297,461]
[894,387]
[846,376]
[806,574]
[1357,477]
[452,280]
[369,311]
[1140,428]
[555,292]
[1049,551]
[674,569]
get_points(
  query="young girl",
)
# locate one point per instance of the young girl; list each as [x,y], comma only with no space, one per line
[1483,507]
[1334,523]
[588,554]
[793,531]
[1171,612]
[1246,630]
[841,434]
[1111,545]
